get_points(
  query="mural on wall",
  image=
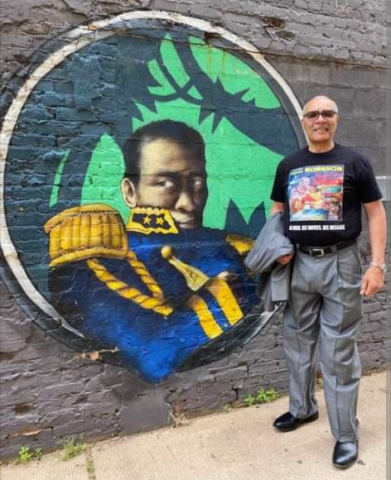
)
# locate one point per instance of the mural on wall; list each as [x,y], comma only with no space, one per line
[137,160]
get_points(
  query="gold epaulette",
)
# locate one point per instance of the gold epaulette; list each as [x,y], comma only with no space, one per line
[241,243]
[86,232]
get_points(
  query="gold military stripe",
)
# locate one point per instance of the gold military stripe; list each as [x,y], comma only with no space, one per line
[156,302]
[196,280]
[226,299]
[241,243]
[211,328]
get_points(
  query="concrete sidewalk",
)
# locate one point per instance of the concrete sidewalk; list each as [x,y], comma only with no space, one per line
[237,445]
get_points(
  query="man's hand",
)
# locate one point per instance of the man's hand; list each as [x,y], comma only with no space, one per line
[373,279]
[285,259]
[372,282]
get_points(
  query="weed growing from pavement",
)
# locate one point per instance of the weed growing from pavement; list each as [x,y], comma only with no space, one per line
[266,396]
[249,400]
[179,419]
[26,454]
[71,448]
[262,396]
[90,466]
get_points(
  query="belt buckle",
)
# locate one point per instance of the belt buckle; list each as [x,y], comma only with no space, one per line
[317,252]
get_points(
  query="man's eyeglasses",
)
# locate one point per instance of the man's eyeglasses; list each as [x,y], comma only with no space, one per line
[315,114]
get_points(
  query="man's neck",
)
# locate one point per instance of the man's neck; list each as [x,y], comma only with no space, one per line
[320,147]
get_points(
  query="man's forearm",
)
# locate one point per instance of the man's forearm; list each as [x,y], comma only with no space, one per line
[377,235]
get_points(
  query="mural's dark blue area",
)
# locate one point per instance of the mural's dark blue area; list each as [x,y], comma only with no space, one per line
[235,223]
[152,345]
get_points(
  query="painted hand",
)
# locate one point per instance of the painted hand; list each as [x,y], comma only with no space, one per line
[372,282]
[285,259]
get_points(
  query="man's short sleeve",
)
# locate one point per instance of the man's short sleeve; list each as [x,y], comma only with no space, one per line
[368,189]
[278,190]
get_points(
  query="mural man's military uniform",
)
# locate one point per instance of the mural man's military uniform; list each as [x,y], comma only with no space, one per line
[156,293]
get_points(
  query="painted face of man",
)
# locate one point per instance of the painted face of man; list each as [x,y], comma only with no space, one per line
[320,129]
[171,177]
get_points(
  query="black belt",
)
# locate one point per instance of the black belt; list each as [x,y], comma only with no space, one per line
[322,251]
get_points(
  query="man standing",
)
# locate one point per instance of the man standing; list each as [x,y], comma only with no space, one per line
[327,285]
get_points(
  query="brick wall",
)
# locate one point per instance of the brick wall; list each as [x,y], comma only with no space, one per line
[49,391]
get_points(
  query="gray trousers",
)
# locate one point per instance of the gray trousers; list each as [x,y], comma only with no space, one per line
[323,315]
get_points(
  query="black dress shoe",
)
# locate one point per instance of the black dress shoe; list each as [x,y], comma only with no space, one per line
[287,422]
[345,454]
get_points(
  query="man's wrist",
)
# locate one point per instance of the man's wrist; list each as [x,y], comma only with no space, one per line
[381,266]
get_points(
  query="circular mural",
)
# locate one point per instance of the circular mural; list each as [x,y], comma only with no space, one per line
[137,159]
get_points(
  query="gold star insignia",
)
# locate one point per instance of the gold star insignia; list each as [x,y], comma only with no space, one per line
[148,220]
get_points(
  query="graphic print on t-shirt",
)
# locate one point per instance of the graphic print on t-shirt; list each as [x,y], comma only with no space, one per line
[315,193]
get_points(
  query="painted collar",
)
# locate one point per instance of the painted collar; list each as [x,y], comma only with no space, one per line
[151,220]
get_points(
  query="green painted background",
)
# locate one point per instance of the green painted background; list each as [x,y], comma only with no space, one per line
[238,168]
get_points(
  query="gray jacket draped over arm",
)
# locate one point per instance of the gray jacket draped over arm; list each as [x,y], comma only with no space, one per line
[271,244]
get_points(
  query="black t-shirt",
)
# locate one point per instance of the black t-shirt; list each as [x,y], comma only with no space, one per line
[322,193]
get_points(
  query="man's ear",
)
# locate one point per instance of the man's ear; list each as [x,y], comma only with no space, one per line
[129,192]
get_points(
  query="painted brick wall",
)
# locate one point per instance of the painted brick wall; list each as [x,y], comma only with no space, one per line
[48,391]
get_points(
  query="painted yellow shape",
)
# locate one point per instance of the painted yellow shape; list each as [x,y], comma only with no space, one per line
[157,304]
[211,328]
[152,215]
[85,254]
[195,279]
[146,277]
[241,243]
[226,299]
[85,232]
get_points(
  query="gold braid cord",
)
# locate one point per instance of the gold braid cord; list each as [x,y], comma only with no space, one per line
[156,302]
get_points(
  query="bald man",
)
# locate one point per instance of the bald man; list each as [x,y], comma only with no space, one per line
[324,312]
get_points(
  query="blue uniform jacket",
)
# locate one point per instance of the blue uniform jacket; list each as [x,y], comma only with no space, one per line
[96,299]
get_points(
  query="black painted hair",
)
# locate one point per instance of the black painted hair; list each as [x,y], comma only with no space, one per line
[177,132]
